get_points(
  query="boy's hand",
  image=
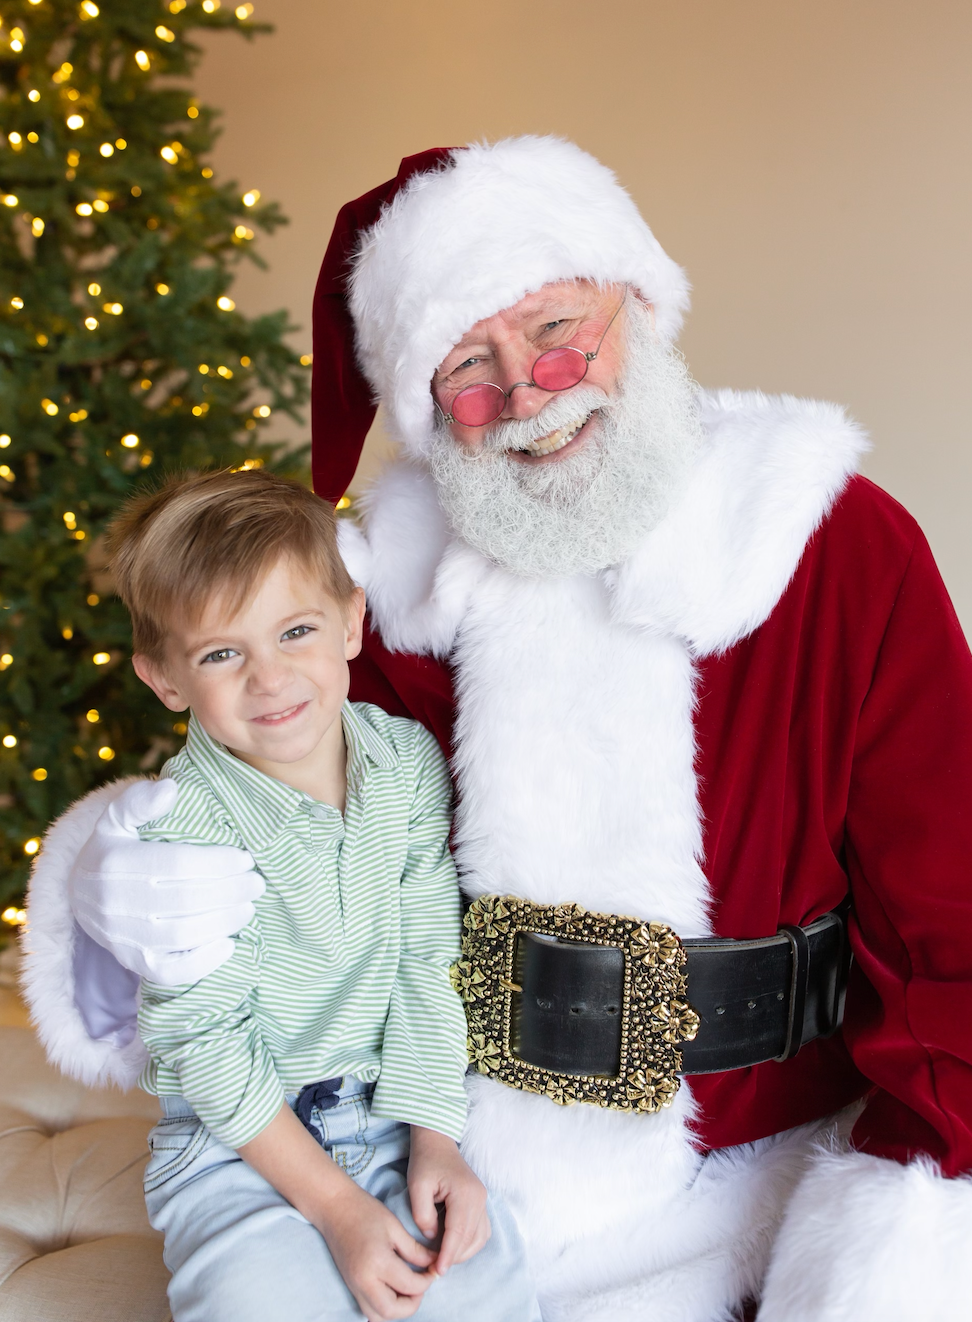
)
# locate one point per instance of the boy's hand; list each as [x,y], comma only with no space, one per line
[438,1174]
[372,1251]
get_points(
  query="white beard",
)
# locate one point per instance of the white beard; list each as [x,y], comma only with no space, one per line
[581,514]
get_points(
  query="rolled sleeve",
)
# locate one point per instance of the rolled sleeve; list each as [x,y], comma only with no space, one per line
[204,1035]
[423,1057]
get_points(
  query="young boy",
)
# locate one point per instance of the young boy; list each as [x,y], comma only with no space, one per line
[312,1086]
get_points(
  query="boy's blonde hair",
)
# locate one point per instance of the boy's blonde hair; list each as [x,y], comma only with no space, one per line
[216,534]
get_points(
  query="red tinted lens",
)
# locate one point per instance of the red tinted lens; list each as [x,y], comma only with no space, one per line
[476,406]
[559,369]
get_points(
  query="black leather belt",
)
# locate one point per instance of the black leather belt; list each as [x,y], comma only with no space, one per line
[611,1010]
[757,1000]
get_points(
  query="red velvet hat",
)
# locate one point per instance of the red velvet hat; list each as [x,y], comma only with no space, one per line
[342,403]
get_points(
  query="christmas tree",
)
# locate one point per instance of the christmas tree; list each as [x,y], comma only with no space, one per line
[121,356]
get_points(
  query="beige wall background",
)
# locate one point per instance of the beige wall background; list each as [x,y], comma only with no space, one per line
[807,162]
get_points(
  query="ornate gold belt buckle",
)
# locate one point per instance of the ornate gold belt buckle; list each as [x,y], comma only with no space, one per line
[655,1015]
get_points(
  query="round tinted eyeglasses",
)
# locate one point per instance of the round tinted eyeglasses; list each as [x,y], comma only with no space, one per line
[556,369]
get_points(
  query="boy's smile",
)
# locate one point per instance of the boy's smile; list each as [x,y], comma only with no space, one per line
[269,682]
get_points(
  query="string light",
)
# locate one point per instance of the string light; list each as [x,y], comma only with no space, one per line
[84,208]
[39,773]
[162,289]
[145,383]
[75,121]
[37,227]
[225,304]
[7,473]
[89,9]
[245,361]
[31,846]
[17,44]
[7,660]
[164,33]
[115,309]
[225,372]
[10,741]
[33,137]
[262,411]
[63,73]
[206,172]
[200,410]
[136,191]
[70,520]
[100,204]
[42,339]
[193,112]
[168,154]
[73,158]
[15,139]
[4,441]
[107,149]
[79,415]
[142,60]
[67,633]
[176,6]
[16,302]
[146,459]
[204,368]
[106,753]
[130,441]
[33,94]
[91,323]
[49,407]
[210,6]
[251,198]
[180,727]
[94,715]
[121,144]
[14,916]
[243,12]
[306,359]
[92,598]
[94,289]
[343,504]
[80,535]
[101,658]
[10,200]
[242,232]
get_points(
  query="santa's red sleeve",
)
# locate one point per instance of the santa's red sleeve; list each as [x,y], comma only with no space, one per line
[881,1232]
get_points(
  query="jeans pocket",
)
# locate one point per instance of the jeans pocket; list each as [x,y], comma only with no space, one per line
[353,1158]
[174,1144]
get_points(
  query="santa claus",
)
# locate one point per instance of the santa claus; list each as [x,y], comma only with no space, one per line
[710,714]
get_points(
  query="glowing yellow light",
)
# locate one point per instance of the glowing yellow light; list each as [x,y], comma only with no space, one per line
[169,155]
[130,441]
[115,309]
[136,191]
[243,232]
[106,753]
[306,359]
[10,741]
[251,198]
[225,304]
[14,916]
[210,6]
[42,339]
[49,407]
[89,9]
[100,204]
[146,459]
[72,94]
[225,372]
[164,33]
[176,6]
[79,415]
[343,504]
[92,598]
[6,660]
[107,149]
[93,715]
[7,473]
[200,410]
[31,846]
[101,658]
[162,289]
[193,112]
[121,144]
[73,158]
[64,73]
[16,302]
[70,518]
[145,383]
[75,121]
[79,535]
[33,94]
[94,289]
[10,200]
[247,464]
[245,361]
[16,45]
[33,137]
[180,727]
[204,368]
[91,323]
[206,172]
[262,411]
[67,633]
[39,773]
[37,227]
[84,208]
[4,441]
[142,60]
[243,12]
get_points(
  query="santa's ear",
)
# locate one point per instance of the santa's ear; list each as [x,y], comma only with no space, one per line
[150,672]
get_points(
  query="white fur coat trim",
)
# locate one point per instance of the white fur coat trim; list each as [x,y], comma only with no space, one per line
[48,945]
[769,472]
[868,1240]
[463,242]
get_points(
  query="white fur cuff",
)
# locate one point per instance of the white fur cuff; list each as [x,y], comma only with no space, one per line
[868,1240]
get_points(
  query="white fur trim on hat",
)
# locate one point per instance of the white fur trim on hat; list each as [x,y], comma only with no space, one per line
[462,243]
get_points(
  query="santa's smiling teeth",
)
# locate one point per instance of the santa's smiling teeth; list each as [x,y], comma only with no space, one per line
[556,440]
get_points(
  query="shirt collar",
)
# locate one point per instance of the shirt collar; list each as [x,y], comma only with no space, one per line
[261,806]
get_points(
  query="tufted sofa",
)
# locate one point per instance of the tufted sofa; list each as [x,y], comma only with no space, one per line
[75,1243]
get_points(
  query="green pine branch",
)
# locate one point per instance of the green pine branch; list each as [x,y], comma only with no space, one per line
[121,357]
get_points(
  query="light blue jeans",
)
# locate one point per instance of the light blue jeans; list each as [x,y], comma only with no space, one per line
[239,1252]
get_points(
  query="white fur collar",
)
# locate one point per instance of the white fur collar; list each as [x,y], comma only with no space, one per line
[710,573]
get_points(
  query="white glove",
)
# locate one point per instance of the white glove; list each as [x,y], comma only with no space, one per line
[165,911]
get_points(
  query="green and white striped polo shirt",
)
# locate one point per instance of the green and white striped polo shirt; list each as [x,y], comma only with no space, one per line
[345,967]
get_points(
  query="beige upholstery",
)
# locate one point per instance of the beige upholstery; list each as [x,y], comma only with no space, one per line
[75,1243]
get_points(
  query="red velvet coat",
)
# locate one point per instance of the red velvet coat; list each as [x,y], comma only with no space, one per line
[834,752]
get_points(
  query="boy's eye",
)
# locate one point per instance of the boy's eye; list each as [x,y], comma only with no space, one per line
[298,631]
[221,654]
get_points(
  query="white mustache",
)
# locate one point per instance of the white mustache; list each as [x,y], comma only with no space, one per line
[563,409]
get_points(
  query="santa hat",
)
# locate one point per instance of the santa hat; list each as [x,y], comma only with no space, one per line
[458,235]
